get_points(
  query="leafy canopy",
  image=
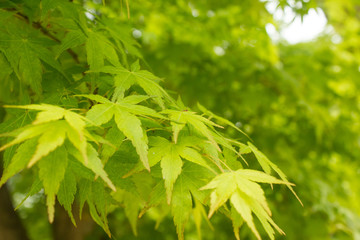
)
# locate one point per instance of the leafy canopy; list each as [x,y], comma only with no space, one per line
[102,124]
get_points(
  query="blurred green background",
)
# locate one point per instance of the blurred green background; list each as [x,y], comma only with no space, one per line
[294,93]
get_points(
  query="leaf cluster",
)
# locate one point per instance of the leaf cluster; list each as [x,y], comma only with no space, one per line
[103,125]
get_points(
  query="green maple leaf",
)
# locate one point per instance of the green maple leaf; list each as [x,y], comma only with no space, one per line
[120,34]
[93,163]
[185,190]
[125,78]
[84,193]
[52,131]
[94,50]
[25,49]
[131,203]
[171,165]
[20,159]
[35,188]
[99,49]
[115,137]
[125,114]
[52,171]
[205,130]
[170,156]
[181,205]
[185,187]
[120,163]
[245,195]
[267,165]
[67,191]
[98,200]
[51,136]
[72,39]
[202,125]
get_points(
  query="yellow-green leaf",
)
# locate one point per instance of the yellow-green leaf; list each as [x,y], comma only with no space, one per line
[171,164]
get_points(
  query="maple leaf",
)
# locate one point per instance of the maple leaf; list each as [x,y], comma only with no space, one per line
[35,188]
[57,141]
[98,200]
[72,39]
[267,165]
[99,48]
[125,78]
[94,163]
[202,125]
[66,193]
[20,159]
[245,195]
[52,130]
[131,203]
[185,187]
[170,156]
[181,206]
[48,132]
[115,137]
[52,171]
[124,112]
[25,51]
[120,34]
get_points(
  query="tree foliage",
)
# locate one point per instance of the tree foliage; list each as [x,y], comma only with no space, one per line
[298,102]
[91,124]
